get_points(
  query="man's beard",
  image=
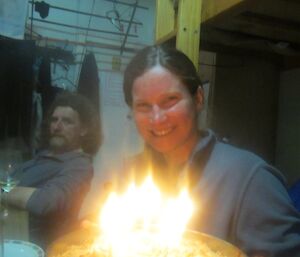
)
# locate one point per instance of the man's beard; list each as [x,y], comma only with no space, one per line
[58,143]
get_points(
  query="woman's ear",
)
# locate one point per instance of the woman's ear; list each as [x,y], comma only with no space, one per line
[199,98]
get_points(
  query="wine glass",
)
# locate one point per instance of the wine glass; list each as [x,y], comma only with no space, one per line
[9,160]
[8,177]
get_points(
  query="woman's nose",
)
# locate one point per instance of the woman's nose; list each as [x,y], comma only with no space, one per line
[157,114]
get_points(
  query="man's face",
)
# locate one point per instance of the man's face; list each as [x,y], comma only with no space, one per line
[65,130]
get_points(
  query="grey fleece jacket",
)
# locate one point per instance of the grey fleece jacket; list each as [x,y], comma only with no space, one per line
[243,200]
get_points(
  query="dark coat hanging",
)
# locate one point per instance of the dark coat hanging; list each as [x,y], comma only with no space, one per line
[16,76]
[88,84]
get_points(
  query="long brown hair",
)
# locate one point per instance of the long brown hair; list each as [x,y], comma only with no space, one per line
[171,59]
[88,116]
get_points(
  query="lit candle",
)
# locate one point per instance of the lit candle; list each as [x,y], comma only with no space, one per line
[142,221]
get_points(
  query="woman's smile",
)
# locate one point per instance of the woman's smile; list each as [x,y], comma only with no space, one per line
[162,132]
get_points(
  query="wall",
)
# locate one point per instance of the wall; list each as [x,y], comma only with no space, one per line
[120,138]
[288,131]
[80,41]
[254,106]
[207,67]
[244,108]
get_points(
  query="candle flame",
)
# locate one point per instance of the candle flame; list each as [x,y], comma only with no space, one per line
[142,218]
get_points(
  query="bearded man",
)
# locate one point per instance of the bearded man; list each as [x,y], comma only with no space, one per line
[54,183]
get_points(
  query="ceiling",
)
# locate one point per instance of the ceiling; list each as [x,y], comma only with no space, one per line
[266,26]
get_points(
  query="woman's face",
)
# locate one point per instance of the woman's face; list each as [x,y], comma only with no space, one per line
[164,111]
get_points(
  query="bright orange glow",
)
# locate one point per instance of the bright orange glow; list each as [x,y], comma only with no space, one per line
[142,219]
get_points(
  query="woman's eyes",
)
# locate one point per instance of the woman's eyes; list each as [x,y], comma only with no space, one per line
[142,107]
[164,104]
[169,101]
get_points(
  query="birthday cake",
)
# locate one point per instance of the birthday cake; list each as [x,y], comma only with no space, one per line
[81,244]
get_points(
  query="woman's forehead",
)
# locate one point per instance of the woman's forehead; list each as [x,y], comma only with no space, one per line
[157,81]
[157,74]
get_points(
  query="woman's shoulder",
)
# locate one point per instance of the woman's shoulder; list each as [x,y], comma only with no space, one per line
[235,154]
[242,163]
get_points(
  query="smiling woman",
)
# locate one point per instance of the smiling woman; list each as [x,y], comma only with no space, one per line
[165,94]
[237,194]
[165,112]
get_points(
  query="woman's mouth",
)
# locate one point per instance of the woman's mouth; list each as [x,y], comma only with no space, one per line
[162,132]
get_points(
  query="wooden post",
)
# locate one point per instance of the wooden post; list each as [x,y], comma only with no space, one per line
[165,21]
[188,32]
[213,8]
[185,26]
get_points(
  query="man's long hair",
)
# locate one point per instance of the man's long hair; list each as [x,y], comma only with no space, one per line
[88,116]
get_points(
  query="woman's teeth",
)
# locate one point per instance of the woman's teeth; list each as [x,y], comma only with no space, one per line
[160,133]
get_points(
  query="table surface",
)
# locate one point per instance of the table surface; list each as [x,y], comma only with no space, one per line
[15,225]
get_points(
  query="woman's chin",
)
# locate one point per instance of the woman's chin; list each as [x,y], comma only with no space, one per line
[163,148]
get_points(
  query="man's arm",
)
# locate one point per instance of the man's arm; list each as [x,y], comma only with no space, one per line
[19,196]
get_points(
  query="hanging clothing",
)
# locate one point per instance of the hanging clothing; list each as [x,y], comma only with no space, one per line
[43,96]
[44,80]
[16,75]
[88,84]
[37,118]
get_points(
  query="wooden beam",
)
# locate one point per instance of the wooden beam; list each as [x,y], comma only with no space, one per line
[236,43]
[212,8]
[271,19]
[165,20]
[285,10]
[188,32]
[263,27]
